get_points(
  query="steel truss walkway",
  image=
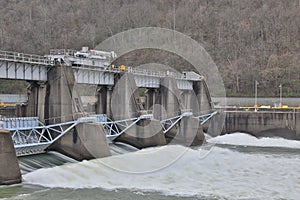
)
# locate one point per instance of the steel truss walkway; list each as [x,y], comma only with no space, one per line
[169,123]
[35,138]
[115,128]
[32,137]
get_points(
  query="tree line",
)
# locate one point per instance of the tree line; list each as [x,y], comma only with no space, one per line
[248,39]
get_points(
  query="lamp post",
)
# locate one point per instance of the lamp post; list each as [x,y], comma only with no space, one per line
[280,96]
[255,105]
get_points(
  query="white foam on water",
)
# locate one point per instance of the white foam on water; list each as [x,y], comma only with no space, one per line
[243,139]
[175,170]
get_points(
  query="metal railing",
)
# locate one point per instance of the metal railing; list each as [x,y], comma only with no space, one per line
[135,71]
[24,58]
[32,137]
[36,139]
[113,129]
[66,52]
[69,54]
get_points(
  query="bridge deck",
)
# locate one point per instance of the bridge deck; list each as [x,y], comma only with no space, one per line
[14,65]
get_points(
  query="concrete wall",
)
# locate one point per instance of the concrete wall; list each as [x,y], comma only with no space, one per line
[150,94]
[62,101]
[125,98]
[168,100]
[147,133]
[9,166]
[173,103]
[203,97]
[86,141]
[260,124]
[188,132]
[125,104]
[101,103]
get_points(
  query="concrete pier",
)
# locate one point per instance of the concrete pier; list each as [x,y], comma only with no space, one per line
[147,133]
[9,166]
[168,100]
[125,98]
[36,100]
[150,98]
[189,132]
[173,102]
[125,104]
[87,141]
[62,102]
[101,103]
[203,96]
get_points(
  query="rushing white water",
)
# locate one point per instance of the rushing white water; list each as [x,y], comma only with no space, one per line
[50,159]
[175,170]
[243,139]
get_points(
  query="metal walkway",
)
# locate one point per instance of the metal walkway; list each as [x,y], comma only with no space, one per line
[32,137]
[169,123]
[115,128]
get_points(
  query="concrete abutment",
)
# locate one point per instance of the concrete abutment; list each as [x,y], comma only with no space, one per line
[9,166]
[264,123]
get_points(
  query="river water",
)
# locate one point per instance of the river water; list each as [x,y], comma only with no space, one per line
[235,166]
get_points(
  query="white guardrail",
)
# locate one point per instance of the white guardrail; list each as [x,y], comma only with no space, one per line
[26,58]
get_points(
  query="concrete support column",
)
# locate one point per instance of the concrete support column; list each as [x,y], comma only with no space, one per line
[190,102]
[108,101]
[32,100]
[297,124]
[203,96]
[9,166]
[62,101]
[184,97]
[21,110]
[36,100]
[169,98]
[41,102]
[150,98]
[101,104]
[125,100]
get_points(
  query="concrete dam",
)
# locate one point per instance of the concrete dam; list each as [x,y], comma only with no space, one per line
[176,110]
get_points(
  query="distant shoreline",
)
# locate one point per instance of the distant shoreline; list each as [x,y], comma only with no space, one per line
[249,101]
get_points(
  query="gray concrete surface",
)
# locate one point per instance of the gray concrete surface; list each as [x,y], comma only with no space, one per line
[9,166]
